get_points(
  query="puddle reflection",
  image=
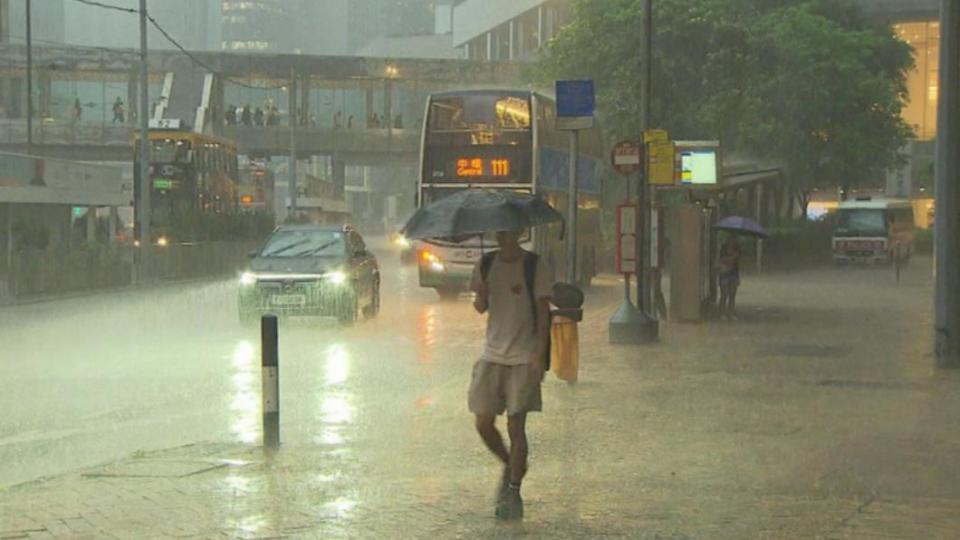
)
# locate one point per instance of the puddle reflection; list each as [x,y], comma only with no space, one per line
[426,334]
[244,404]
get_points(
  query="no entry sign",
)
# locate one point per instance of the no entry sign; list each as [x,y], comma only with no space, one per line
[627,157]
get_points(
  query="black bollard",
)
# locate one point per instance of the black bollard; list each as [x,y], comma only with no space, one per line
[270,392]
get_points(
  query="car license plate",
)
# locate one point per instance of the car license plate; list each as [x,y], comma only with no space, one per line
[289,300]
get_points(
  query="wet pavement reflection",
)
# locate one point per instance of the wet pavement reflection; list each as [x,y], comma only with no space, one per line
[716,432]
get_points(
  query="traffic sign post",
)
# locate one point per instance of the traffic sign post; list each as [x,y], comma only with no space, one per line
[626,157]
[628,324]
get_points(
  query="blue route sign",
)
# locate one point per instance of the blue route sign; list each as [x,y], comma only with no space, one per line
[575,99]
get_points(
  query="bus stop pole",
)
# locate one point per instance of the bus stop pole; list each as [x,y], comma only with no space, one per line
[572,195]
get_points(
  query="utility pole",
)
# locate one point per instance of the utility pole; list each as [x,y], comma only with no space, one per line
[649,327]
[294,119]
[29,79]
[143,205]
[948,190]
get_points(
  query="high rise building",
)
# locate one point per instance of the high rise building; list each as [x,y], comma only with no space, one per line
[257,25]
[195,24]
[507,29]
[321,27]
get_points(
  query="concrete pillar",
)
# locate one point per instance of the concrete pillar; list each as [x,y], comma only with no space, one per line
[114,219]
[369,107]
[489,46]
[44,91]
[305,98]
[339,177]
[388,105]
[540,40]
[91,224]
[512,29]
[292,95]
[132,92]
[8,259]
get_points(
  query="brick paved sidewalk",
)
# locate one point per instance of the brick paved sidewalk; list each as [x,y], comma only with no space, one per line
[753,430]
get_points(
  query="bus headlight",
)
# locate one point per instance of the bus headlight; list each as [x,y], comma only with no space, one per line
[336,278]
[163,242]
[401,241]
[248,278]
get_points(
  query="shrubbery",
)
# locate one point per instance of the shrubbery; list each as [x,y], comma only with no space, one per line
[196,226]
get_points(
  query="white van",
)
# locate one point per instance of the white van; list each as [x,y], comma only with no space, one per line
[873,231]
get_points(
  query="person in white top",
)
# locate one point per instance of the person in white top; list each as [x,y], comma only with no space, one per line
[513,288]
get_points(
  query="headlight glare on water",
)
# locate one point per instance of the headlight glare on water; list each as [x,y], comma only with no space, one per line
[337,277]
[248,278]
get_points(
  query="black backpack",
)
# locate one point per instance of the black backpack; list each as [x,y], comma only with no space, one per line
[529,278]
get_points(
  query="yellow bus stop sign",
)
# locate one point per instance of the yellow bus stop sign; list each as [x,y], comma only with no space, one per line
[661,163]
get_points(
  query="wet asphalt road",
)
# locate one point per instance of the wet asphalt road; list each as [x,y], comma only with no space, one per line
[89,380]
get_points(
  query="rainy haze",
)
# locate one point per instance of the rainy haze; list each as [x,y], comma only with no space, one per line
[479,268]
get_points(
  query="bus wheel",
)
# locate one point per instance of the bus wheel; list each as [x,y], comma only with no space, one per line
[448,294]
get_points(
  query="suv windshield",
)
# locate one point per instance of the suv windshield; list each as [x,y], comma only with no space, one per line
[304,243]
[861,223]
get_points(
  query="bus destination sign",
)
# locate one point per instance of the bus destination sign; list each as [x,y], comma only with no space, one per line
[478,167]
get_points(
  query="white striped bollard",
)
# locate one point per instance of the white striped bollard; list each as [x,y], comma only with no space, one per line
[270,393]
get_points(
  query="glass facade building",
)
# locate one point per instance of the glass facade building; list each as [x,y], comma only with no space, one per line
[922,81]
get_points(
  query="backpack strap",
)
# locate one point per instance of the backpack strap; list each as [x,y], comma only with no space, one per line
[530,261]
[530,278]
[485,263]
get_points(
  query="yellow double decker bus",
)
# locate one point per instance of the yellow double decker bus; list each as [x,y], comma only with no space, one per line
[190,173]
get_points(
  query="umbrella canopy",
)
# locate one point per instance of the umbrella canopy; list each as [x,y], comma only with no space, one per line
[741,225]
[477,211]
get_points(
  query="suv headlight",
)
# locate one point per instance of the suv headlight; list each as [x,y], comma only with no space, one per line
[336,277]
[248,278]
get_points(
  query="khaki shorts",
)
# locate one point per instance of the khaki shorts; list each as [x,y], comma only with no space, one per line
[497,387]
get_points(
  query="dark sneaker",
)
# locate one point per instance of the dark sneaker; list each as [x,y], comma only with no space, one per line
[511,508]
[504,485]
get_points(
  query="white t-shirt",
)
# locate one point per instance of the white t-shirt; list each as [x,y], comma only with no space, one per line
[511,335]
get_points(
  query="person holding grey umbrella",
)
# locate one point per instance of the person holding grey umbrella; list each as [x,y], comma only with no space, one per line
[513,288]
[508,374]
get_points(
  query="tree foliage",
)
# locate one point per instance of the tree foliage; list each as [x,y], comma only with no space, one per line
[807,83]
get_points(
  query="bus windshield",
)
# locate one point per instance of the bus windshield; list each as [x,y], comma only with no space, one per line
[479,113]
[478,138]
[861,222]
[169,151]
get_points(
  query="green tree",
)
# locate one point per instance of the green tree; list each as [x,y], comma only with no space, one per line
[806,83]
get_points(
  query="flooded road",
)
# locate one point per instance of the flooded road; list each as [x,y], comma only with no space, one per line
[92,379]
[818,414]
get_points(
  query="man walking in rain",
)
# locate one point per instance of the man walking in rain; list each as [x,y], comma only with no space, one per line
[512,287]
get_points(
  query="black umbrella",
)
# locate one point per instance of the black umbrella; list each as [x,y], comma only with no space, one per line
[477,211]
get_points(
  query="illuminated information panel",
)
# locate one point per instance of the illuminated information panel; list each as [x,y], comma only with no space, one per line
[698,166]
[480,167]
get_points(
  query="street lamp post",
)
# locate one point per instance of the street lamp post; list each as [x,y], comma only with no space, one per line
[143,204]
[948,190]
[29,78]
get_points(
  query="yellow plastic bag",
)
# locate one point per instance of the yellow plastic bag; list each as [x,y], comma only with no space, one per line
[564,348]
